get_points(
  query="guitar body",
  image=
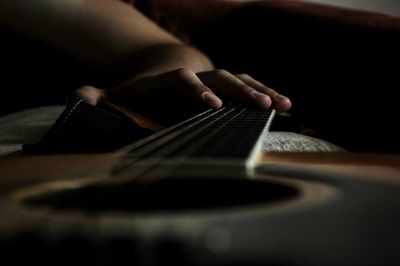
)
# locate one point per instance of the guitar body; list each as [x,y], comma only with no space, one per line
[295,209]
[145,205]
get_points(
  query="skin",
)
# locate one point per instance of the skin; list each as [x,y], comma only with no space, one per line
[109,34]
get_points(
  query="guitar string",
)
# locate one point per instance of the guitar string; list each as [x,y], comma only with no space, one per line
[184,155]
[175,142]
[249,119]
[167,151]
[173,136]
[136,171]
[139,144]
[167,137]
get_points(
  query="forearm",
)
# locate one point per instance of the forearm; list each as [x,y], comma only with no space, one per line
[110,36]
[163,58]
[100,33]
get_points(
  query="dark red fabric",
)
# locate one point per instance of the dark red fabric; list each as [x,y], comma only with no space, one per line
[188,15]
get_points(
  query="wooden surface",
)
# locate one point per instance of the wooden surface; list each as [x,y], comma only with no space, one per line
[376,166]
[287,227]
[20,171]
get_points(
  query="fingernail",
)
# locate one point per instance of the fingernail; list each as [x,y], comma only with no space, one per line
[211,98]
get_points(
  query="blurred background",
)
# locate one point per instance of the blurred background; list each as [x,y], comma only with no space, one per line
[384,6]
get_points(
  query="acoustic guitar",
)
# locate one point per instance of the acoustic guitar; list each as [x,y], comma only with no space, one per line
[201,193]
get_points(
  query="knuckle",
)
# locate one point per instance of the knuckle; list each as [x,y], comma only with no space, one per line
[87,88]
[183,73]
[221,72]
[245,88]
[244,76]
[271,92]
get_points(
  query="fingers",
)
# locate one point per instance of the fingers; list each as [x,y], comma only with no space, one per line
[188,82]
[204,86]
[244,88]
[280,102]
[174,87]
[233,87]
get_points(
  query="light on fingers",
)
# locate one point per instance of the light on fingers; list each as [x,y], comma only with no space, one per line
[261,99]
[283,103]
[211,99]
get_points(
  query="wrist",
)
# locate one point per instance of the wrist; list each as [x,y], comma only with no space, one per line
[168,57]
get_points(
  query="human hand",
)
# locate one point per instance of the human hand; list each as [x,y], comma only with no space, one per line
[167,94]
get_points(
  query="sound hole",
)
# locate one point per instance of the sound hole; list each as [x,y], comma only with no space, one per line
[165,195]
